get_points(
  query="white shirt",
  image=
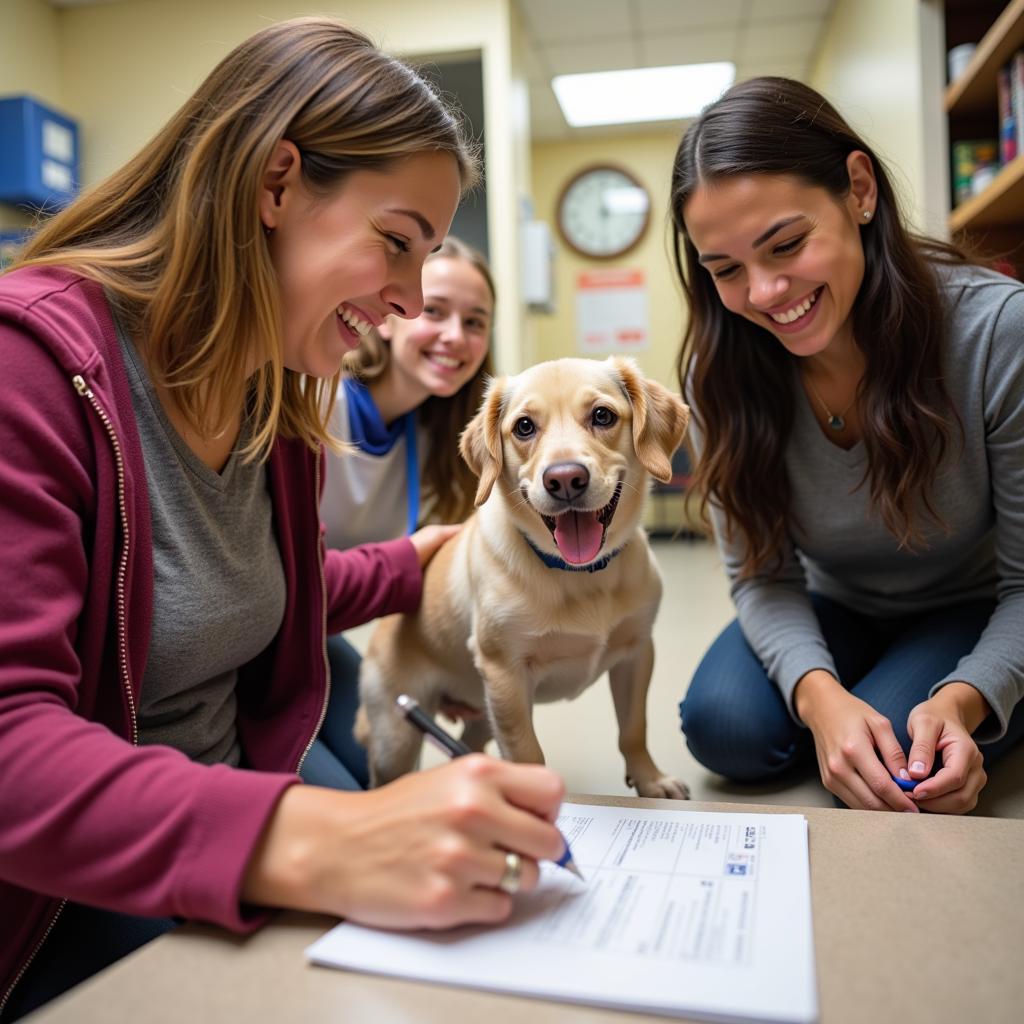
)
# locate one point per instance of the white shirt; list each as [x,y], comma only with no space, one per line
[365,496]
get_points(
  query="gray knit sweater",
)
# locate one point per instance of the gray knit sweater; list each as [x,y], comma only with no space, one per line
[843,550]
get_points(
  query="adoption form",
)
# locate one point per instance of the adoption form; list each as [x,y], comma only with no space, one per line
[682,913]
[660,888]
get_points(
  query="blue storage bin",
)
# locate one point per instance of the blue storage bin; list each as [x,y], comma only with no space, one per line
[38,154]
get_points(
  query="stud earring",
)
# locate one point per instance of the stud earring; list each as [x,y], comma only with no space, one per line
[867,215]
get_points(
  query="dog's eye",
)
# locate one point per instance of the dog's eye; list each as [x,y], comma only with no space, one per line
[603,417]
[524,428]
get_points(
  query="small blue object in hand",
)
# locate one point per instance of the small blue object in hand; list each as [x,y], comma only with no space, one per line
[905,784]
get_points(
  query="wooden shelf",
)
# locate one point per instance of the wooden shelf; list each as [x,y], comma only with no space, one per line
[995,218]
[975,90]
[1001,203]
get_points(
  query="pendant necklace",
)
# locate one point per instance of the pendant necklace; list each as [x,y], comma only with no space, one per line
[836,421]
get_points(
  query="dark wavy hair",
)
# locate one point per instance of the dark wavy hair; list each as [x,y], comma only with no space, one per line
[776,126]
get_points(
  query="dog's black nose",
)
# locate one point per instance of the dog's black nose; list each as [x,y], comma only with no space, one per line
[566,480]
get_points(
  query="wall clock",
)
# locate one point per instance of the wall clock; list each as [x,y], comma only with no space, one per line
[603,212]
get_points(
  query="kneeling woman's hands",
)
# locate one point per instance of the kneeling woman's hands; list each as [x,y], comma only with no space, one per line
[857,749]
[858,752]
[943,724]
[426,851]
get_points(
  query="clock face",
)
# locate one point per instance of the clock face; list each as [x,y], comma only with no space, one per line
[603,212]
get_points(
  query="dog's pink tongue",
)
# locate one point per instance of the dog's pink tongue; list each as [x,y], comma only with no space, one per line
[578,536]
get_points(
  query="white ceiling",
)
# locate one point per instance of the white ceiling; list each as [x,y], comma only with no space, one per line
[762,37]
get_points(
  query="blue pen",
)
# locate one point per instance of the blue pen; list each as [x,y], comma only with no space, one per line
[451,747]
[906,784]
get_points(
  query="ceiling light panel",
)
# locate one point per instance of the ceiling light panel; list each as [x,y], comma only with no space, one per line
[641,94]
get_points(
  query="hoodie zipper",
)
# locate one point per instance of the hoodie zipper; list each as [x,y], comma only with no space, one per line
[122,638]
[122,642]
[323,622]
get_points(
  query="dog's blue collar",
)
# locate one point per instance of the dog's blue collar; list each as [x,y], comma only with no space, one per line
[554,562]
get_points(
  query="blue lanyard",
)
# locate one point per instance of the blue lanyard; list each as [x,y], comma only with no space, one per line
[412,472]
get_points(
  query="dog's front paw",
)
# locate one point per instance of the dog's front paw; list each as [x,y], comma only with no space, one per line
[664,787]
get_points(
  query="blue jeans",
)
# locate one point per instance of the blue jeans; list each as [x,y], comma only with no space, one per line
[336,760]
[737,724]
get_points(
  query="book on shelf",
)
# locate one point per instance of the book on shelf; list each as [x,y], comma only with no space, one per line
[1007,121]
[975,162]
[1016,80]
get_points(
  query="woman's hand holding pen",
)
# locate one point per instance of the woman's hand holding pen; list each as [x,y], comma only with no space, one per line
[857,750]
[426,851]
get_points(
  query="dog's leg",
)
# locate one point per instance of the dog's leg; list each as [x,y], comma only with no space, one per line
[392,744]
[512,721]
[630,679]
[509,697]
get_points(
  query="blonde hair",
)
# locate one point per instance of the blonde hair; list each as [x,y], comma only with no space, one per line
[176,237]
[448,485]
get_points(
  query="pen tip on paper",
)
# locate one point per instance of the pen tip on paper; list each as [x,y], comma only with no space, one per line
[571,866]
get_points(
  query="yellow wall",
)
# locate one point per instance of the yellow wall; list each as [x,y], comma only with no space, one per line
[29,63]
[649,158]
[28,50]
[869,66]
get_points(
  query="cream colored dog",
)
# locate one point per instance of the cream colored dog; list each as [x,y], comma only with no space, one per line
[550,583]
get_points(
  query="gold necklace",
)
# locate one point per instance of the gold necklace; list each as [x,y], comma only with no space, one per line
[836,421]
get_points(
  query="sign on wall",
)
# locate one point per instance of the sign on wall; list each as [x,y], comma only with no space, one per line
[611,311]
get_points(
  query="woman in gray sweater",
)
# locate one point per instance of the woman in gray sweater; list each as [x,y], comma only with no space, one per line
[858,397]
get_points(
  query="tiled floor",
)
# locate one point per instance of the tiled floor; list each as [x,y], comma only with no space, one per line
[579,737]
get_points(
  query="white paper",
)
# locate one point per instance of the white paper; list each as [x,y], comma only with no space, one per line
[682,913]
[611,311]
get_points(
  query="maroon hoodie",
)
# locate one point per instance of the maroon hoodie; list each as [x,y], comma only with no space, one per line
[85,813]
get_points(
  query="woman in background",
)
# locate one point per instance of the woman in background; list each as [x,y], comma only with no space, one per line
[406,394]
[858,397]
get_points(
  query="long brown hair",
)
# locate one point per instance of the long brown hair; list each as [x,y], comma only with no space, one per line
[776,126]
[449,485]
[175,235]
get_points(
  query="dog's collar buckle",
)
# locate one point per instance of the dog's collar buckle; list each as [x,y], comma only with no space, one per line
[554,562]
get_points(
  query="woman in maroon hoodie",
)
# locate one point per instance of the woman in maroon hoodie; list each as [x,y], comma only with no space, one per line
[169,346]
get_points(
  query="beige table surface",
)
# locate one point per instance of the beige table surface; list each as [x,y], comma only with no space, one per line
[916,918]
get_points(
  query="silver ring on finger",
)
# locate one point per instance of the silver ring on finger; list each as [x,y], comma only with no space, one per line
[512,876]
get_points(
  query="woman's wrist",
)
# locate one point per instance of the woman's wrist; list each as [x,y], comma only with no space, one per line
[964,701]
[810,690]
[283,868]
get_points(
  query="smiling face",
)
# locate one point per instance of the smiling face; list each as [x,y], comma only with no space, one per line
[442,348]
[568,447]
[785,255]
[564,448]
[346,261]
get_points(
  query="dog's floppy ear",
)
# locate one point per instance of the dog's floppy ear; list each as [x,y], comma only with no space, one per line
[480,442]
[659,418]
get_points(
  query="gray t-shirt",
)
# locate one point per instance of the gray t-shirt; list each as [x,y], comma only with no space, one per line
[218,583]
[843,550]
